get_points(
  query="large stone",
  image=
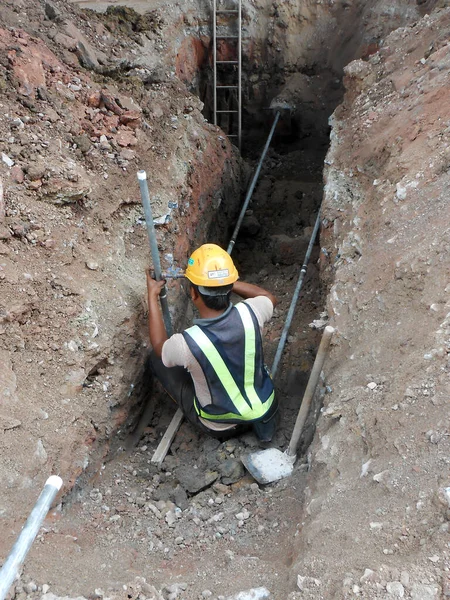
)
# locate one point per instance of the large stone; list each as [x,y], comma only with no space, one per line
[61,191]
[194,480]
[231,471]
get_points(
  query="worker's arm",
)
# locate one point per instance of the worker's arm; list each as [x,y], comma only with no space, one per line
[250,290]
[157,330]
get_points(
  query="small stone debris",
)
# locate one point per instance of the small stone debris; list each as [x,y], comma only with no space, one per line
[92,265]
[260,593]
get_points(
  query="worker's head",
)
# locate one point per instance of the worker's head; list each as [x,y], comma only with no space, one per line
[212,274]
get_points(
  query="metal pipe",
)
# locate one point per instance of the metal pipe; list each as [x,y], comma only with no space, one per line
[298,287]
[142,178]
[26,538]
[252,185]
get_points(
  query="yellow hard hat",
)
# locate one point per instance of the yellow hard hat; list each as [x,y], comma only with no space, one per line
[210,266]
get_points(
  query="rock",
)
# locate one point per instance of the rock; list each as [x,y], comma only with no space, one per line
[250,225]
[127,154]
[126,138]
[8,382]
[88,57]
[8,161]
[231,471]
[243,515]
[66,41]
[194,480]
[395,589]
[52,13]
[17,175]
[36,171]
[260,593]
[61,191]
[130,118]
[83,142]
[369,575]
[41,453]
[420,591]
[30,587]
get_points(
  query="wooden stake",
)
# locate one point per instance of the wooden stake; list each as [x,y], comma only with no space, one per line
[164,445]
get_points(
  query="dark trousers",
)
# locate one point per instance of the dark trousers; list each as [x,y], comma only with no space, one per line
[178,383]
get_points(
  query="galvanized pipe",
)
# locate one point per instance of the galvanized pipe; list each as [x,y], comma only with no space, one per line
[252,186]
[142,178]
[26,538]
[294,300]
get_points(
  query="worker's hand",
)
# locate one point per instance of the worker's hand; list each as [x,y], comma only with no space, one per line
[154,287]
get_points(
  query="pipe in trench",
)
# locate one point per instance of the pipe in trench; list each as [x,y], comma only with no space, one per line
[28,534]
[252,185]
[294,300]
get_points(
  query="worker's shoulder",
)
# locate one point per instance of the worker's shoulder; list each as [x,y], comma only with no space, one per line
[174,342]
[262,305]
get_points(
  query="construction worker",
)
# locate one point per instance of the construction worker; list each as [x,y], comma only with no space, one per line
[215,369]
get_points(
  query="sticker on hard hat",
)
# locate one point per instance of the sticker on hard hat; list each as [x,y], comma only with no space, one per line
[218,274]
[191,261]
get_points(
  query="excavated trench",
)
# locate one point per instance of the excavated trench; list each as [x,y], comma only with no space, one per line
[200,513]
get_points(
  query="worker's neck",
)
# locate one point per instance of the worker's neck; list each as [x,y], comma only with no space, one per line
[209,313]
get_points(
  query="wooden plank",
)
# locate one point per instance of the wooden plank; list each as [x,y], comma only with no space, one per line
[164,445]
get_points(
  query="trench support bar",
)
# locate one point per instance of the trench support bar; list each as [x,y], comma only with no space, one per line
[12,564]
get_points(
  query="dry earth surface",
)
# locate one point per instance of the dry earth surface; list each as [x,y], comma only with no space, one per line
[86,101]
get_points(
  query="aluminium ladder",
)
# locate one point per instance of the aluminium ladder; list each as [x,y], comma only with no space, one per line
[227,70]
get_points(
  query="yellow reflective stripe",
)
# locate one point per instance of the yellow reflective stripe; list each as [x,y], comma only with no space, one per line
[250,352]
[221,371]
[232,416]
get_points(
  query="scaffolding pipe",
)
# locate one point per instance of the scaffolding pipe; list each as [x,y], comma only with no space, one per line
[252,186]
[26,538]
[294,300]
[142,178]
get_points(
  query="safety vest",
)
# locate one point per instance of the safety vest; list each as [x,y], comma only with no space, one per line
[229,351]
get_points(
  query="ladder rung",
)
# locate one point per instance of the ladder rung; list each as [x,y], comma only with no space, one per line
[227,87]
[227,111]
[227,37]
[232,135]
[227,62]
[223,12]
